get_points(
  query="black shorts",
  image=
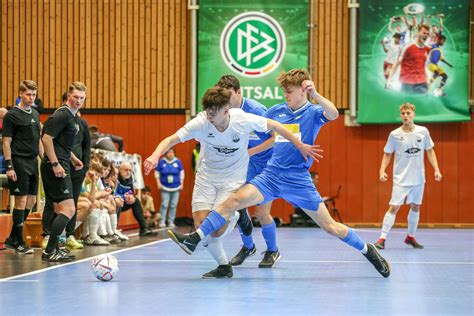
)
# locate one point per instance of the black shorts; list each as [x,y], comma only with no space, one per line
[26,170]
[56,189]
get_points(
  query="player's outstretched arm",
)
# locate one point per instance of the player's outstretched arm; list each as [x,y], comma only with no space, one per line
[434,162]
[305,149]
[151,162]
[263,146]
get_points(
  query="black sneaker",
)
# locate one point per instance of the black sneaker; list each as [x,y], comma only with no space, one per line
[377,261]
[269,259]
[23,249]
[222,271]
[187,242]
[10,243]
[55,256]
[146,232]
[67,252]
[243,254]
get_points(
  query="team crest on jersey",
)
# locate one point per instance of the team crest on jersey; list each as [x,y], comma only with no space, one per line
[225,150]
[235,138]
[412,151]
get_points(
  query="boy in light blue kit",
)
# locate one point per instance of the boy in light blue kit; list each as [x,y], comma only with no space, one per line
[286,175]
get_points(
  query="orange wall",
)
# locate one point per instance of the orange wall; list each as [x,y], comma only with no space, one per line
[352,159]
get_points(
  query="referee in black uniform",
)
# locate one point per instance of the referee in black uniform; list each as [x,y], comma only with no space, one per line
[82,150]
[59,132]
[21,146]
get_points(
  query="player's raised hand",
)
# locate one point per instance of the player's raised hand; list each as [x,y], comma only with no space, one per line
[308,86]
[383,176]
[150,164]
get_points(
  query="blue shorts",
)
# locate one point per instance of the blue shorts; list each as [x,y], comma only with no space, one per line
[293,186]
[255,168]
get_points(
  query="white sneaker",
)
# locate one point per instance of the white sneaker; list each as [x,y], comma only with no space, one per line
[121,235]
[171,225]
[162,225]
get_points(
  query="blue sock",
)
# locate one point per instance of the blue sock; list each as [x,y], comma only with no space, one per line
[353,240]
[247,240]
[212,222]
[269,234]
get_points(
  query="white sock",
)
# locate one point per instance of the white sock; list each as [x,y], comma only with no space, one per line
[102,222]
[85,228]
[216,249]
[388,221]
[113,221]
[93,220]
[78,223]
[413,219]
[108,224]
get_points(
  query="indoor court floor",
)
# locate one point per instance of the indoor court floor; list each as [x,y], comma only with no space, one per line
[318,275]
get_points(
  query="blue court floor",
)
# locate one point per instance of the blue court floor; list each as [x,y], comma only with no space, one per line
[318,275]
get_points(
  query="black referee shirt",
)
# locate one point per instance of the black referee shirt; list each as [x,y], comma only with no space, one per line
[24,129]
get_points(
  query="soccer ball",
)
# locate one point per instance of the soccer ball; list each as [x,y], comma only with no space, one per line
[105,267]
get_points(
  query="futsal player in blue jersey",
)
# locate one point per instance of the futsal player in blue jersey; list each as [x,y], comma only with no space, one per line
[257,141]
[286,175]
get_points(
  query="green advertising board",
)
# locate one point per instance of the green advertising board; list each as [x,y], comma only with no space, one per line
[252,40]
[387,29]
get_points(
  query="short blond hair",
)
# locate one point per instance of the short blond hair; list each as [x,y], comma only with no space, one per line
[407,106]
[294,77]
[28,85]
[77,85]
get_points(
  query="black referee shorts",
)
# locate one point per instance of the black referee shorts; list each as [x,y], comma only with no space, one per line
[26,170]
[56,189]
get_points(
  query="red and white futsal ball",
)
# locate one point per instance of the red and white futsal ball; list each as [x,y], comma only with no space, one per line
[105,267]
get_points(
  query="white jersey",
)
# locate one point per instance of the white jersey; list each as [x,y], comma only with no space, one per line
[392,54]
[224,154]
[409,148]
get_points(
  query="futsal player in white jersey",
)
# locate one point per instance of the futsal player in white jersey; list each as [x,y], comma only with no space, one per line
[408,142]
[222,167]
[286,174]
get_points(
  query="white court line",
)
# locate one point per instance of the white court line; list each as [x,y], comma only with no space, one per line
[305,261]
[57,266]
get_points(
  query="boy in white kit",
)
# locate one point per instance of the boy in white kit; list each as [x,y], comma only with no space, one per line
[223,161]
[408,142]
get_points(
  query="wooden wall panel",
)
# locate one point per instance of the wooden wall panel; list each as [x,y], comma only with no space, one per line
[130,53]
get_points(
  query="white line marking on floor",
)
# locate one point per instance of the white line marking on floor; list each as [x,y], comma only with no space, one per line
[303,261]
[79,261]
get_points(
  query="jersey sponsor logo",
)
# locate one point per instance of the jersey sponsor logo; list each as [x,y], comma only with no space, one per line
[225,150]
[66,191]
[253,44]
[293,128]
[235,138]
[412,151]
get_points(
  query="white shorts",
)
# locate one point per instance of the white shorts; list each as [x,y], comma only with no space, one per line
[207,194]
[413,194]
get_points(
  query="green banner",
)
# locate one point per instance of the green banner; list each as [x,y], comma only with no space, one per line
[253,40]
[433,66]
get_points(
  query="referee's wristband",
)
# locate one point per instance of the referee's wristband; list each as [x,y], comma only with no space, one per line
[8,165]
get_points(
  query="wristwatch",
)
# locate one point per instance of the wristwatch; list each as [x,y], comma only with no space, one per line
[55,164]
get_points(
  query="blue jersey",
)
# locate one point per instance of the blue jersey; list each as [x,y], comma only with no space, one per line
[170,173]
[305,124]
[436,54]
[256,138]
